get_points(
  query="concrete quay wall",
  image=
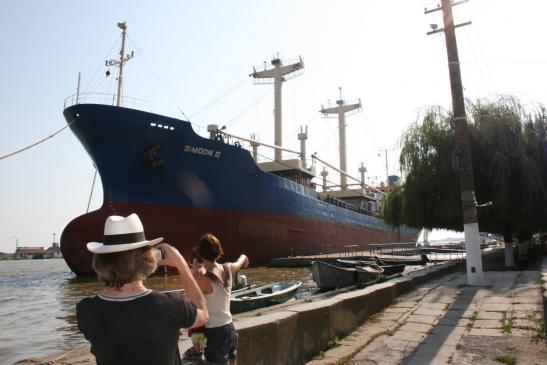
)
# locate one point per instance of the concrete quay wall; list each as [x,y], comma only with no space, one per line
[297,333]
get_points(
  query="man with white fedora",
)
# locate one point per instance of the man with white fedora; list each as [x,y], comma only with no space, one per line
[128,323]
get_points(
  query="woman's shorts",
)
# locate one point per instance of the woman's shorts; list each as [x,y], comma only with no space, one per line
[221,345]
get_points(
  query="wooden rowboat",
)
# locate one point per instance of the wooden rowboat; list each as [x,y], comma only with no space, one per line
[388,269]
[263,296]
[329,276]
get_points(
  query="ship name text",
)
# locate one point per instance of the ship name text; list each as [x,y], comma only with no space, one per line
[201,151]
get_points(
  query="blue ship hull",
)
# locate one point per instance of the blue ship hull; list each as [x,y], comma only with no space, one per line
[183,185]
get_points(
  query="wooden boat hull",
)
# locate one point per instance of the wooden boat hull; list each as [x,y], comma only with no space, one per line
[388,269]
[330,276]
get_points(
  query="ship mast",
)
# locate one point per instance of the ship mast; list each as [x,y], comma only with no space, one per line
[120,63]
[277,73]
[341,111]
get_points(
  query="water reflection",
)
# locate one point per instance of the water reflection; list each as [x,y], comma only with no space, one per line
[38,302]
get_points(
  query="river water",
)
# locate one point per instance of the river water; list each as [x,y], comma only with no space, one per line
[38,302]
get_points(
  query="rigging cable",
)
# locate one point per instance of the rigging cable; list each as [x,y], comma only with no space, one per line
[60,130]
[159,80]
[92,187]
[248,108]
[101,66]
[232,89]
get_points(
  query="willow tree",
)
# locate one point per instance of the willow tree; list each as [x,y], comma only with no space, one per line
[508,152]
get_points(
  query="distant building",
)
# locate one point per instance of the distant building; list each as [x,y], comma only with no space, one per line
[54,252]
[30,253]
[5,255]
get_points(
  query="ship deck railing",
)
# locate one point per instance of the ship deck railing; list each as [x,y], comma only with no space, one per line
[106,99]
[406,249]
[340,203]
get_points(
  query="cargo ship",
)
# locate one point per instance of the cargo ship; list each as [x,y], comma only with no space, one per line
[182,185]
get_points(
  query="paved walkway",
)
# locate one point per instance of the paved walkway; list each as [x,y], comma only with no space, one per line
[446,321]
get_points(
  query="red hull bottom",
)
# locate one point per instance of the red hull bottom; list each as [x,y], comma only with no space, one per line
[260,236]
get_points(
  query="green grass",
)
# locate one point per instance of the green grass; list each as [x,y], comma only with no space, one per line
[508,326]
[335,342]
[472,320]
[506,359]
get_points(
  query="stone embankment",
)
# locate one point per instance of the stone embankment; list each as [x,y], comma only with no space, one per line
[427,316]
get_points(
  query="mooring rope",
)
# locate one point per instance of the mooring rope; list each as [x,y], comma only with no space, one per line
[36,143]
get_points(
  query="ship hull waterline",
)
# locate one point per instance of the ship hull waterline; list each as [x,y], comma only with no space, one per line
[260,236]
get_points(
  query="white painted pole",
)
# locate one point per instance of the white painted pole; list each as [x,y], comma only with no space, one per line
[362,171]
[78,88]
[278,138]
[342,139]
[324,174]
[302,136]
[473,254]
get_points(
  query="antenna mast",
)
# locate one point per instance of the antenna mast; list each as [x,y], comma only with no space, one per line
[277,73]
[123,59]
[341,111]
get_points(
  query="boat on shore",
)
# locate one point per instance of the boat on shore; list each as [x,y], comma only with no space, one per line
[244,300]
[330,276]
[182,185]
[387,269]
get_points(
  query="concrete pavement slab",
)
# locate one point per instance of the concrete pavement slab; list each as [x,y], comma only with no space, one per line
[491,315]
[429,312]
[434,305]
[498,300]
[486,332]
[487,323]
[422,319]
[491,307]
[416,327]
[527,308]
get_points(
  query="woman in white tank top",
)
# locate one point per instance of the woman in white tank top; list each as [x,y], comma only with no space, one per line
[216,285]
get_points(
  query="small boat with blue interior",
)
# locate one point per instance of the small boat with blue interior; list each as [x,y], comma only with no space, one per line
[263,296]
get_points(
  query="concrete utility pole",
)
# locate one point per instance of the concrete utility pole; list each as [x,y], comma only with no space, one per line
[385,151]
[277,73]
[463,151]
[120,63]
[341,111]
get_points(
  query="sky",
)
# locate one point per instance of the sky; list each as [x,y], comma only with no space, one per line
[195,57]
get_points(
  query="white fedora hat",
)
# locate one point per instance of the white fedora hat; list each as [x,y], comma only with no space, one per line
[122,234]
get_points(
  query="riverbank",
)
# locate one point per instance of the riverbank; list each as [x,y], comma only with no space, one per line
[333,329]
[448,322]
